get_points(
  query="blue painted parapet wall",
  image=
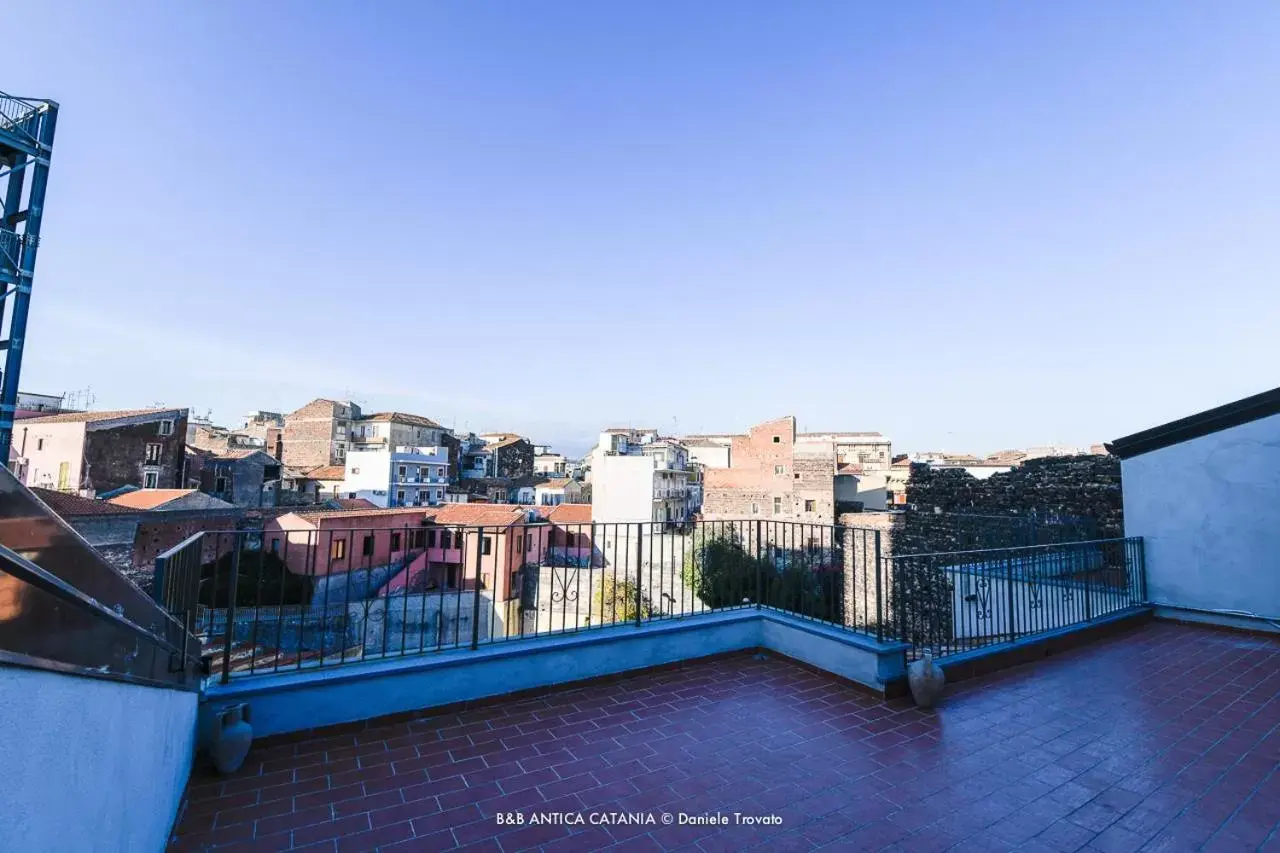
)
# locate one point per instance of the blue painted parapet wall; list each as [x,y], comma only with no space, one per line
[297,701]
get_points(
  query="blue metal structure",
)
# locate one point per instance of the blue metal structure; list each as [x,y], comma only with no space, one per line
[26,141]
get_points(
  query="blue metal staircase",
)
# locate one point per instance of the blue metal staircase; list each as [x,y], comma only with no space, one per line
[26,141]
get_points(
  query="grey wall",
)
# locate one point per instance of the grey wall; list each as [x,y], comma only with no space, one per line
[89,764]
[1209,512]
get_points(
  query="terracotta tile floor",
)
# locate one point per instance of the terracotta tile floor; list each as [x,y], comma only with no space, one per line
[1165,738]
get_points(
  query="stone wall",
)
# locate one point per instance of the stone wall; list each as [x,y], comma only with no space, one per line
[1056,498]
[117,456]
[770,463]
[310,434]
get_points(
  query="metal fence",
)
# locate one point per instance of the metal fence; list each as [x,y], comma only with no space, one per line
[273,601]
[288,600]
[958,601]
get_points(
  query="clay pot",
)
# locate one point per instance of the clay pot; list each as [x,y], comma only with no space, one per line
[926,680]
[232,737]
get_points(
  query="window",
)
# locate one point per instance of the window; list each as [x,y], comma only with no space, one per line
[355,470]
[755,509]
[366,547]
[777,506]
[275,545]
[452,580]
[519,544]
[797,476]
[39,444]
[810,506]
[150,479]
[779,469]
[166,427]
[395,541]
[153,453]
[220,484]
[488,545]
[338,550]
[402,471]
[436,494]
[431,539]
[528,541]
[445,539]
[400,497]
[777,439]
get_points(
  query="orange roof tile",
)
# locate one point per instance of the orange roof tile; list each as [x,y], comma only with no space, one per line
[149,498]
[486,514]
[72,506]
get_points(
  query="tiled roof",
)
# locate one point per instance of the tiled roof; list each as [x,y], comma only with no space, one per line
[352,503]
[486,514]
[322,512]
[402,418]
[555,483]
[570,514]
[72,506]
[149,498]
[327,472]
[92,417]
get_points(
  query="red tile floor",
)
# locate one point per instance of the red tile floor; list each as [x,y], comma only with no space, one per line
[1164,738]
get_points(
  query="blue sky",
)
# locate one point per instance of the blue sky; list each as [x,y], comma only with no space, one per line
[970,226]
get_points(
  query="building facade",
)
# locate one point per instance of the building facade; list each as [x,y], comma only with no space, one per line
[774,475]
[242,477]
[318,434]
[94,452]
[397,475]
[638,476]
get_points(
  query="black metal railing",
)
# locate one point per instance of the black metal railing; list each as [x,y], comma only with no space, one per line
[287,600]
[283,600]
[958,601]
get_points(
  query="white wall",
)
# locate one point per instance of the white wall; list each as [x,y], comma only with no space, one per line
[1208,510]
[63,442]
[622,488]
[91,765]
[712,456]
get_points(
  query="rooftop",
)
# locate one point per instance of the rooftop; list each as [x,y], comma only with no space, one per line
[403,418]
[73,506]
[326,472]
[155,498]
[94,417]
[1164,736]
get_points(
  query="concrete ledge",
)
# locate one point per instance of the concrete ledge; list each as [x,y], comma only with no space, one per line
[1221,621]
[357,693]
[972,664]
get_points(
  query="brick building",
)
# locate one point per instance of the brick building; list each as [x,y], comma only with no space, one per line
[95,452]
[318,434]
[774,475]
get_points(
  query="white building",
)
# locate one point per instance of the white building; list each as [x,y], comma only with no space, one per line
[1203,492]
[637,476]
[403,475]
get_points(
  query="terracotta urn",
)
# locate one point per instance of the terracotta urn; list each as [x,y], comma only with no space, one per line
[926,680]
[232,736]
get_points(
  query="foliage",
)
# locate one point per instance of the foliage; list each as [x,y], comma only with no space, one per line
[263,580]
[723,572]
[615,601]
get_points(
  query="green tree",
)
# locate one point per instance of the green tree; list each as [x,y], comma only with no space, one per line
[615,601]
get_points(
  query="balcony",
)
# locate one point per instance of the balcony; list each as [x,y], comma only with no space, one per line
[404,693]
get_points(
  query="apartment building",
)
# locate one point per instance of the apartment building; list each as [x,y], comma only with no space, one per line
[636,475]
[318,434]
[397,475]
[94,452]
[774,475]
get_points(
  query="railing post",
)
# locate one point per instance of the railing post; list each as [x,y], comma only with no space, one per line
[232,584]
[879,591]
[1008,582]
[1088,586]
[158,580]
[1142,568]
[639,558]
[759,568]
[475,597]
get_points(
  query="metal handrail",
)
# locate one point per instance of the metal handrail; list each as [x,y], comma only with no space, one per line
[1072,543]
[30,573]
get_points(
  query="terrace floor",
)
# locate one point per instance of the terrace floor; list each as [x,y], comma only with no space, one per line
[1163,738]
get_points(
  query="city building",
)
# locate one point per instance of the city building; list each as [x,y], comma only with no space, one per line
[318,434]
[774,475]
[864,463]
[244,477]
[396,475]
[267,426]
[640,476]
[94,452]
[549,464]
[560,490]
